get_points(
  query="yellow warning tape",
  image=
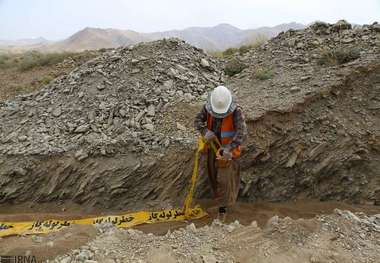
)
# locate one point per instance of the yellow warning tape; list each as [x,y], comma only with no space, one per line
[201,147]
[189,197]
[123,221]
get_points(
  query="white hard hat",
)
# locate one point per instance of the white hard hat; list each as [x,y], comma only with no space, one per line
[220,100]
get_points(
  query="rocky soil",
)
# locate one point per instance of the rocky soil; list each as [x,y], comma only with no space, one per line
[340,237]
[112,110]
[301,67]
[313,114]
[118,129]
[117,99]
[16,80]
[117,132]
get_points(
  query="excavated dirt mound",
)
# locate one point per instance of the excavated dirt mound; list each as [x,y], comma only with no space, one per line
[98,135]
[118,130]
[314,120]
[116,133]
[113,103]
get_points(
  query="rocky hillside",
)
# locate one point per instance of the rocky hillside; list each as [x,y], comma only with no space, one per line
[118,130]
[312,98]
[118,98]
[106,121]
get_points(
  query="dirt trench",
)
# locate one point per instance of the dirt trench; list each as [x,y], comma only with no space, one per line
[327,148]
[120,181]
[51,245]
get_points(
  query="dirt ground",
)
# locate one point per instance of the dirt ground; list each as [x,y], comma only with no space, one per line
[18,82]
[51,245]
[15,82]
[313,133]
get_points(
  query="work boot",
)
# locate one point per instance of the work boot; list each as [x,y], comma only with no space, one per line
[222,214]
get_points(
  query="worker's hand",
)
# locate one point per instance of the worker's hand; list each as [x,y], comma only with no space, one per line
[209,135]
[227,152]
[227,155]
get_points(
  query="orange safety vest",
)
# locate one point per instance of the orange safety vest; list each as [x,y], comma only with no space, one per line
[227,132]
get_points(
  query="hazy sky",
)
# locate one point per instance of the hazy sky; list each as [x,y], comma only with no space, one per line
[56,19]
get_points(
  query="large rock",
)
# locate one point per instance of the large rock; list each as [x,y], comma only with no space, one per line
[341,25]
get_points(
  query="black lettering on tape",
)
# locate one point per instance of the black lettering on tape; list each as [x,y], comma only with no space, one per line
[36,224]
[5,227]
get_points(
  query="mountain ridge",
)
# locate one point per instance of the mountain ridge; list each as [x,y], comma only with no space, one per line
[215,38]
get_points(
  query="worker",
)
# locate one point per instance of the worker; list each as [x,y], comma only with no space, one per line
[222,119]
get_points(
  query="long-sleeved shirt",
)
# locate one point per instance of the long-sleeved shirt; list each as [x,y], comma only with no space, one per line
[200,124]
